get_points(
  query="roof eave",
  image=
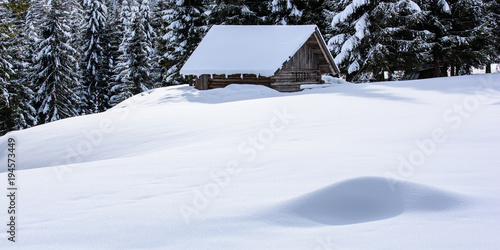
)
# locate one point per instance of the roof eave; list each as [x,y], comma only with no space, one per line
[324,48]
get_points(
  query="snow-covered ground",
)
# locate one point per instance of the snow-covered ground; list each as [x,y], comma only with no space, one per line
[393,165]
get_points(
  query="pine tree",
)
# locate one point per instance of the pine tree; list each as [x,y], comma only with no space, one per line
[397,46]
[95,60]
[6,70]
[470,36]
[186,26]
[75,11]
[316,12]
[134,64]
[285,12]
[372,37]
[54,67]
[115,32]
[160,21]
[459,34]
[233,12]
[121,84]
[262,9]
[493,7]
[34,17]
[7,32]
[16,108]
[147,16]
[22,95]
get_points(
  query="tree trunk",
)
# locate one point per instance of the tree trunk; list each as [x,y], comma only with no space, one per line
[380,76]
[488,68]
[452,70]
[437,69]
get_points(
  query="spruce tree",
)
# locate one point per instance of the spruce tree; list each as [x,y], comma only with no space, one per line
[115,32]
[373,37]
[262,9]
[493,19]
[397,46]
[459,33]
[5,67]
[16,96]
[160,21]
[147,18]
[95,60]
[316,12]
[186,26]
[470,36]
[135,63]
[285,12]
[121,84]
[6,34]
[233,12]
[54,67]
[74,9]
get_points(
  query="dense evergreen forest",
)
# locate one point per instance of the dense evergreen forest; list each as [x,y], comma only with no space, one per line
[63,58]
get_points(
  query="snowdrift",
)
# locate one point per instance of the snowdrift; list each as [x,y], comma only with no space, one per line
[366,199]
[392,165]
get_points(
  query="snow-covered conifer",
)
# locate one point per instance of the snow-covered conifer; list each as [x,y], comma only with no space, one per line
[285,12]
[458,32]
[186,26]
[15,93]
[469,42]
[94,64]
[7,33]
[134,63]
[370,37]
[5,66]
[115,32]
[493,9]
[317,12]
[234,12]
[54,67]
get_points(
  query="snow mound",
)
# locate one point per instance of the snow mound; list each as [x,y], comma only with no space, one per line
[183,94]
[232,93]
[329,81]
[333,80]
[368,199]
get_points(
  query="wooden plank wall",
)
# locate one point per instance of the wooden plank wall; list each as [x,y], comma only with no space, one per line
[202,82]
[297,76]
[303,59]
[221,81]
[304,67]
[301,68]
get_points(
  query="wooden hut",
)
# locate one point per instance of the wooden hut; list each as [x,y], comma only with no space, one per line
[280,57]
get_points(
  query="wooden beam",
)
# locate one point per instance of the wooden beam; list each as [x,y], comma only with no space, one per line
[317,51]
[244,81]
[333,68]
[202,82]
[294,70]
[215,85]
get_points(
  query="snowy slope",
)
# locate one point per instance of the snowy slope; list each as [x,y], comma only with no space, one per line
[394,165]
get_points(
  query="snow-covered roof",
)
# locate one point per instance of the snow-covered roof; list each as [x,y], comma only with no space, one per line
[246,49]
